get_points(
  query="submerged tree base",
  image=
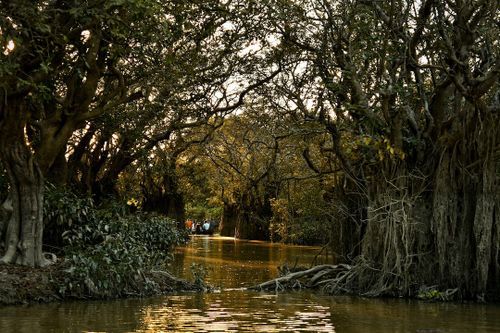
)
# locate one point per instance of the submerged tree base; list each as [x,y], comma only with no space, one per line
[343,279]
[26,285]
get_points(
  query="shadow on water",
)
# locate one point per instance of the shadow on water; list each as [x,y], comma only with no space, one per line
[233,264]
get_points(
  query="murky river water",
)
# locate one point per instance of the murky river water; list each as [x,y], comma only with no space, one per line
[232,264]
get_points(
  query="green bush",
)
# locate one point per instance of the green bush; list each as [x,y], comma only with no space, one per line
[63,210]
[107,251]
[109,256]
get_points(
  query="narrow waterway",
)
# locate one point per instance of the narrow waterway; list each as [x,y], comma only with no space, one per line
[232,264]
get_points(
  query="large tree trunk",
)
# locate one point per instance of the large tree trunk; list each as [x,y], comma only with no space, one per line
[442,228]
[24,224]
[464,205]
[249,225]
[24,229]
[166,201]
[247,219]
[348,222]
[176,209]
[58,171]
[228,221]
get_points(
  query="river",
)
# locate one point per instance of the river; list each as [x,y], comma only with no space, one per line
[232,264]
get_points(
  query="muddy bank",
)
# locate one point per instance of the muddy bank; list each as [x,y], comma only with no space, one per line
[25,285]
[20,284]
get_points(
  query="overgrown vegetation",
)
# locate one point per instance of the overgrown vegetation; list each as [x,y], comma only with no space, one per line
[199,273]
[106,251]
[113,255]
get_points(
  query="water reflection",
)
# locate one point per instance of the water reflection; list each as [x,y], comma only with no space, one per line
[115,316]
[234,264]
[238,312]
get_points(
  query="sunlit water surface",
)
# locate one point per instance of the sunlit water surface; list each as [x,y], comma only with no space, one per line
[232,264]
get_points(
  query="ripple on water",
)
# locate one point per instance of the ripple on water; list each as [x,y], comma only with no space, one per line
[236,312]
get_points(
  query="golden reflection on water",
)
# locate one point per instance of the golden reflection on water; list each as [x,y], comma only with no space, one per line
[234,264]
[238,312]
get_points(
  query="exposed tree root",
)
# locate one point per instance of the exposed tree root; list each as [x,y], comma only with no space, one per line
[349,279]
[309,278]
[174,283]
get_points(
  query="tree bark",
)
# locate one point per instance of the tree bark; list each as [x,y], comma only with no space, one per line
[228,222]
[24,230]
[249,218]
[58,171]
[441,229]
[24,227]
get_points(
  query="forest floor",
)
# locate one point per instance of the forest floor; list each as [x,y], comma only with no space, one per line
[22,285]
[25,285]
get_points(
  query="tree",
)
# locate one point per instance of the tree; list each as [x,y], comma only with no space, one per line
[69,67]
[157,177]
[63,63]
[205,75]
[415,88]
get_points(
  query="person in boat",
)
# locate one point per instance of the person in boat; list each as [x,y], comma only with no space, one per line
[199,228]
[206,227]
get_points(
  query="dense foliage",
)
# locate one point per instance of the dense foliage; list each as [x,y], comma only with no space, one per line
[107,251]
[112,255]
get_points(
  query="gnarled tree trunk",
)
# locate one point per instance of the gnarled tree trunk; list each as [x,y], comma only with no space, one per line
[439,227]
[165,198]
[464,205]
[24,228]
[249,218]
[24,224]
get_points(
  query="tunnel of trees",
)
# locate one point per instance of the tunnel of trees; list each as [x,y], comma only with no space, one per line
[369,126]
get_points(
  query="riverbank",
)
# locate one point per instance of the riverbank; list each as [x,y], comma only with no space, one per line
[25,285]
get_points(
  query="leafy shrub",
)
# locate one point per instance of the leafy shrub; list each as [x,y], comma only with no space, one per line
[199,273]
[107,251]
[62,211]
[109,256]
[433,294]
